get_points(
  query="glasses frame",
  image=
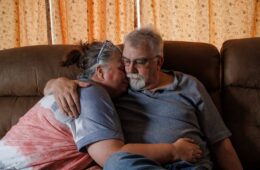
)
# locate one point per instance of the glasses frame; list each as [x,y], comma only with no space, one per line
[106,44]
[138,64]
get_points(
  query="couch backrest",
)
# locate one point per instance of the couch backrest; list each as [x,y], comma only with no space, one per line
[201,60]
[23,75]
[241,97]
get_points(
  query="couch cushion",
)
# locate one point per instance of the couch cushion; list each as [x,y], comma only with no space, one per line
[23,74]
[241,97]
[201,60]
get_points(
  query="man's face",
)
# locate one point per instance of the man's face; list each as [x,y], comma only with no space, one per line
[114,75]
[141,65]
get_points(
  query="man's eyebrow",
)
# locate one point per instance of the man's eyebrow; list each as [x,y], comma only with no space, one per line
[141,58]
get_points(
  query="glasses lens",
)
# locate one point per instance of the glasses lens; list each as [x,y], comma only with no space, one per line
[138,62]
[141,62]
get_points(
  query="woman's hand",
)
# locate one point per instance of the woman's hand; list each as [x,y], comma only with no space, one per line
[66,94]
[186,149]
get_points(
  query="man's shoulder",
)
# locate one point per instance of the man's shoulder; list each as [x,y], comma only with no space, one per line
[189,83]
[187,79]
[185,76]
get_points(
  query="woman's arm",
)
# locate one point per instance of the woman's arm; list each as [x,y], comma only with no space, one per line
[182,149]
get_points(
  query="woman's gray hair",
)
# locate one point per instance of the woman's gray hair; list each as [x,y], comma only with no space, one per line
[147,36]
[89,56]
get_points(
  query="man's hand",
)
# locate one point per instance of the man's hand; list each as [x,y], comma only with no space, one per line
[186,149]
[66,94]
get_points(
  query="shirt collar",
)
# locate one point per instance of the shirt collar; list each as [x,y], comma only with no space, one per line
[170,87]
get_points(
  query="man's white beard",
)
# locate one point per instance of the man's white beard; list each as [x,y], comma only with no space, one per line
[136,81]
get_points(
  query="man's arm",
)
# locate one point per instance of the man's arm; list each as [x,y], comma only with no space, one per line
[182,149]
[66,94]
[226,155]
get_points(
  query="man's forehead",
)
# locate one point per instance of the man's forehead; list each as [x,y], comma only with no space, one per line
[131,52]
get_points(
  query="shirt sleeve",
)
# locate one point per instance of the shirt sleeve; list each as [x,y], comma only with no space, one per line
[210,119]
[98,119]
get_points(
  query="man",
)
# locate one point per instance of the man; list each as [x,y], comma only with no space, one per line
[162,107]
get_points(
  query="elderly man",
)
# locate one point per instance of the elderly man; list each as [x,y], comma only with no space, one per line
[160,107]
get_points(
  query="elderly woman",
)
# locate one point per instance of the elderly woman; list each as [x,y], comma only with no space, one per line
[45,138]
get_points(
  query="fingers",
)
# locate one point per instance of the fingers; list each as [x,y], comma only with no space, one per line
[195,156]
[64,106]
[68,105]
[57,99]
[82,84]
[72,107]
[189,140]
[195,145]
[76,102]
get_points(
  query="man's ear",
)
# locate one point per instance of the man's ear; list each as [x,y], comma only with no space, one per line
[160,61]
[100,72]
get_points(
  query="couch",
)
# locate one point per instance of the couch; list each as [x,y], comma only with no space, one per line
[231,76]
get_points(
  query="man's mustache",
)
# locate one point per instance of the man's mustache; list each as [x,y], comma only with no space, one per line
[134,76]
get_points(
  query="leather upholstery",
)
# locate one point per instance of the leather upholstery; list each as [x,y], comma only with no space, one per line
[23,74]
[241,97]
[231,78]
[201,60]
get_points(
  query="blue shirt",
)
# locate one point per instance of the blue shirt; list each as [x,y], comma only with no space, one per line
[182,109]
[98,119]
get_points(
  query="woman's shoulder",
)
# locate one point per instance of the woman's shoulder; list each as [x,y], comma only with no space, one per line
[94,91]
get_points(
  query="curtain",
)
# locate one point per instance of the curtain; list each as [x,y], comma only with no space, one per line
[22,22]
[210,21]
[25,22]
[90,20]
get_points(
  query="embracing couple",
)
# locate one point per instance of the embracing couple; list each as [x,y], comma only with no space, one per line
[164,120]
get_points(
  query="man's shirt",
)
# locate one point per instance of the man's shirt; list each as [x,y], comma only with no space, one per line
[182,109]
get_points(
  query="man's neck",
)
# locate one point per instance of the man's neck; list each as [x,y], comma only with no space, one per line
[164,80]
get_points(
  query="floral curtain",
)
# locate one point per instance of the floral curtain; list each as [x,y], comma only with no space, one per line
[22,22]
[25,22]
[74,20]
[211,21]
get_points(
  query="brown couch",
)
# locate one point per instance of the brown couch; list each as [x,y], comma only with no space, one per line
[232,78]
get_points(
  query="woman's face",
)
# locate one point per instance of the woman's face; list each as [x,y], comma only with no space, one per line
[114,76]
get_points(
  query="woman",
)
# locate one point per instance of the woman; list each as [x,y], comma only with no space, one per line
[45,138]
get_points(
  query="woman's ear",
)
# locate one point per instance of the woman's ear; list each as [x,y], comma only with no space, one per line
[100,72]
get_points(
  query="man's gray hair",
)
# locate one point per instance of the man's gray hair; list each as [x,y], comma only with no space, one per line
[147,36]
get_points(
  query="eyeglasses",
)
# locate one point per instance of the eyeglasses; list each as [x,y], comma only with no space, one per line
[106,45]
[138,62]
